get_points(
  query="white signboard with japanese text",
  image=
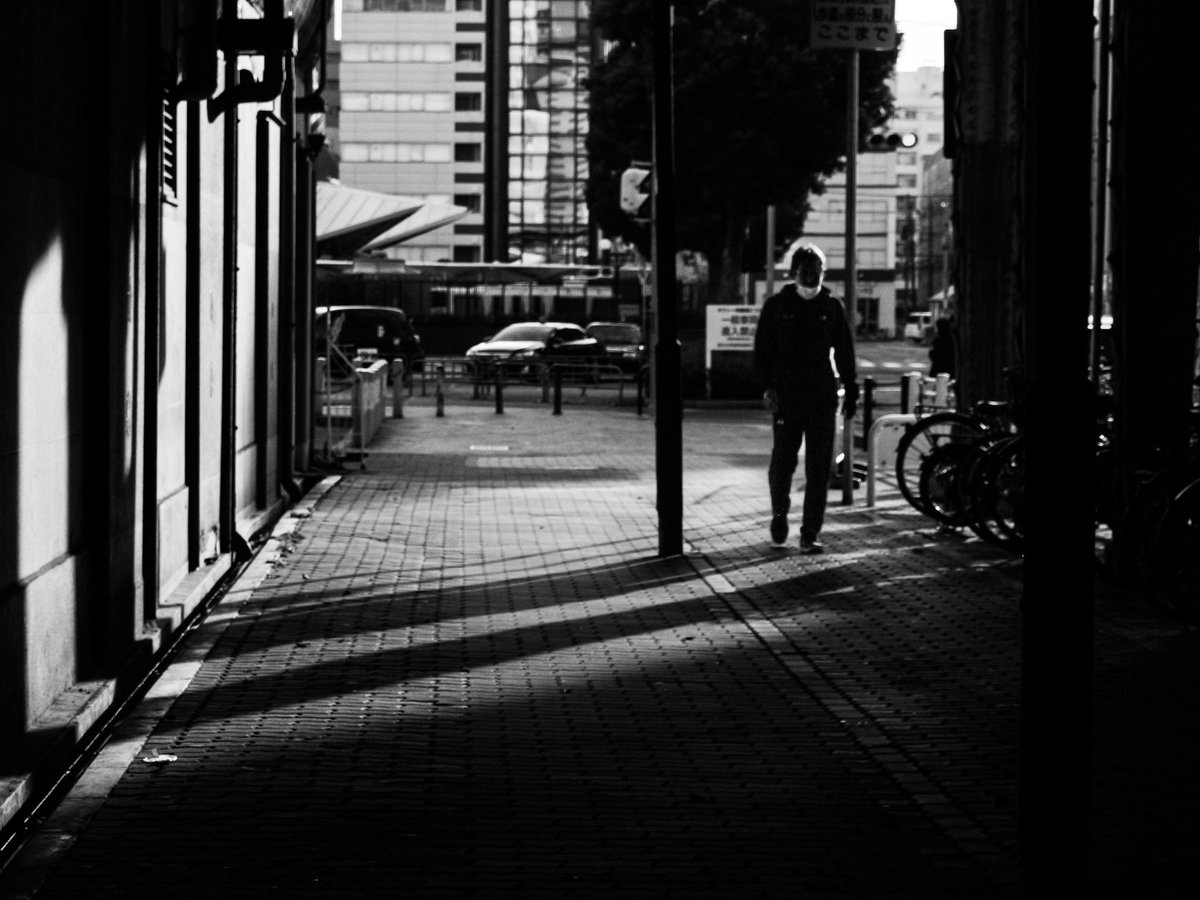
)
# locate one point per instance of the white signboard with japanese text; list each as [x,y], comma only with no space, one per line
[729,328]
[854,24]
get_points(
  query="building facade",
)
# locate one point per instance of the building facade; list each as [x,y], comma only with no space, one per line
[479,104]
[924,192]
[903,214]
[155,291]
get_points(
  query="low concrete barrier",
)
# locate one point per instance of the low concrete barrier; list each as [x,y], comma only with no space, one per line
[349,411]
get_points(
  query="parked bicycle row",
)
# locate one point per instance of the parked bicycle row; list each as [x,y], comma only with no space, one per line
[966,471]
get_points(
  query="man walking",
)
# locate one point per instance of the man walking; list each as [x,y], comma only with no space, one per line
[797,329]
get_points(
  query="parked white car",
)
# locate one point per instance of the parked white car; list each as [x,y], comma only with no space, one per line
[919,327]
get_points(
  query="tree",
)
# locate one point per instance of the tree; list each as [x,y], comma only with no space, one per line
[759,120]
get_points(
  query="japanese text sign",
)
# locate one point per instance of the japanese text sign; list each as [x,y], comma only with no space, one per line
[731,327]
[854,24]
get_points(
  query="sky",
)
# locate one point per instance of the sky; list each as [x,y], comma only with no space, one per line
[922,23]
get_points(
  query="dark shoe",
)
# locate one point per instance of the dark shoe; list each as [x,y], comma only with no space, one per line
[811,545]
[779,529]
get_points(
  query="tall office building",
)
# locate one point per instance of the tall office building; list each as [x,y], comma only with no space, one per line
[923,192]
[901,244]
[482,104]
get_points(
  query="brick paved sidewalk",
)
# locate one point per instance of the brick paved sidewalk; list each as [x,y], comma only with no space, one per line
[466,674]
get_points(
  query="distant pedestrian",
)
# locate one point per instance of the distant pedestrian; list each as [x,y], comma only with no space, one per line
[941,351]
[797,329]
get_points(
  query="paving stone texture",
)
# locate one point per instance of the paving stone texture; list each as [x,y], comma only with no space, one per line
[465,672]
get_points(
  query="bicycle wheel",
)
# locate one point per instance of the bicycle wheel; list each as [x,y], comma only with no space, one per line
[920,439]
[1003,493]
[968,474]
[1120,478]
[1178,555]
[1159,531]
[939,482]
[982,487]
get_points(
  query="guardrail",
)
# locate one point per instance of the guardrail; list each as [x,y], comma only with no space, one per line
[484,379]
[349,410]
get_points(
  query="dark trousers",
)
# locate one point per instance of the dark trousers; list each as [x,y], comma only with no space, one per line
[791,429]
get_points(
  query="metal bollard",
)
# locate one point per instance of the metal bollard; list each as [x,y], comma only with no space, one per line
[544,376]
[848,461]
[439,391]
[910,392]
[868,406]
[499,390]
[557,391]
[397,389]
[941,391]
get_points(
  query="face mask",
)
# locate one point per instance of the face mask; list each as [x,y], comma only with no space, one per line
[808,281]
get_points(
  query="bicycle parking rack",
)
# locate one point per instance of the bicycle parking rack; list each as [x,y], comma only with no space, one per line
[892,420]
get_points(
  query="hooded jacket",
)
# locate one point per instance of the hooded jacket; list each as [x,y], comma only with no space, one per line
[792,344]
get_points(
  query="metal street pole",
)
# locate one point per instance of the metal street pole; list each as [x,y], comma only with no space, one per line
[851,237]
[770,286]
[667,358]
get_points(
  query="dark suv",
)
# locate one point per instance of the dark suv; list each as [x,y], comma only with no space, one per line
[382,331]
[623,344]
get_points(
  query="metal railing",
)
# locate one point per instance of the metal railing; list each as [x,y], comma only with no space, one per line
[481,379]
[349,409]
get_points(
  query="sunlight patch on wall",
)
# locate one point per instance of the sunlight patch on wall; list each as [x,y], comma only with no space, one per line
[43,428]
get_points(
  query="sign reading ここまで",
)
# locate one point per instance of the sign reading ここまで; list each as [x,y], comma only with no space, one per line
[854,24]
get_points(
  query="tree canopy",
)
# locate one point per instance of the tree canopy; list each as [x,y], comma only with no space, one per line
[760,120]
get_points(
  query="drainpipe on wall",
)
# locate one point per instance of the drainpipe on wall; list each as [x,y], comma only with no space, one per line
[227,509]
[270,37]
[287,285]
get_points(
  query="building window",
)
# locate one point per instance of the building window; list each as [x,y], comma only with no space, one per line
[361,153]
[357,51]
[906,181]
[467,254]
[906,158]
[385,101]
[465,101]
[933,137]
[468,5]
[468,52]
[473,203]
[404,5]
[468,152]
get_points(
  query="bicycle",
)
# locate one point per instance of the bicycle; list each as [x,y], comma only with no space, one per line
[1147,515]
[1152,541]
[980,484]
[934,445]
[967,469]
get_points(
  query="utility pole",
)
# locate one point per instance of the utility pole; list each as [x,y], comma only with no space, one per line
[851,236]
[852,186]
[668,420]
[770,275]
[831,31]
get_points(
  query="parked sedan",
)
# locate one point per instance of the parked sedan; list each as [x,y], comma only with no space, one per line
[623,346]
[521,348]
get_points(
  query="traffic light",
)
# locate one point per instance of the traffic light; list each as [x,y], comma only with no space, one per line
[635,192]
[887,141]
